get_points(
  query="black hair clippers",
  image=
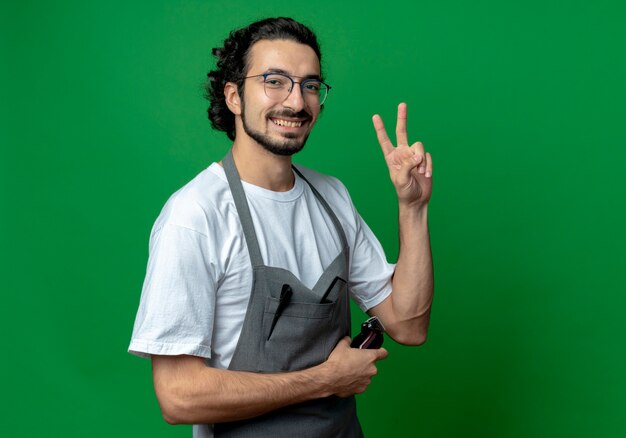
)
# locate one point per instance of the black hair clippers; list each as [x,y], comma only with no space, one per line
[371,335]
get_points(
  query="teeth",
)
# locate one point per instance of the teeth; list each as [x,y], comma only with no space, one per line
[281,122]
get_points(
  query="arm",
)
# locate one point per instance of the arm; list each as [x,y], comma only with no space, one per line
[189,392]
[406,312]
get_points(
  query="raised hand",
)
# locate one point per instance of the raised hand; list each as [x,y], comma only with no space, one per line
[410,168]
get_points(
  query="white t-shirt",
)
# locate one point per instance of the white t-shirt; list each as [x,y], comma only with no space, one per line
[199,277]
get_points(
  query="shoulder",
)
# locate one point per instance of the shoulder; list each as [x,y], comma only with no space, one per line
[194,206]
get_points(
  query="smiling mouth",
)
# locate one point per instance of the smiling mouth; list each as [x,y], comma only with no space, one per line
[287,123]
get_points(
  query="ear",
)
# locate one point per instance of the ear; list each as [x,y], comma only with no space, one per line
[233,101]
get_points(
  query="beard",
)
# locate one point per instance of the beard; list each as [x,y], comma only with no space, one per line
[288,145]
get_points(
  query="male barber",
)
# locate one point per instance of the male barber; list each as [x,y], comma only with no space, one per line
[245,306]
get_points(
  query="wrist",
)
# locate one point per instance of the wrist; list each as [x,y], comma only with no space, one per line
[321,377]
[416,210]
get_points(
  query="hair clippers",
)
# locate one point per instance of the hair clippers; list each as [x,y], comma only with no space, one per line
[371,335]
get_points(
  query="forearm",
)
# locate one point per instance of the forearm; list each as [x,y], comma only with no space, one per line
[413,277]
[412,281]
[191,393]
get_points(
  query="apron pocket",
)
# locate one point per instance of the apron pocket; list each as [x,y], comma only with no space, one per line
[299,337]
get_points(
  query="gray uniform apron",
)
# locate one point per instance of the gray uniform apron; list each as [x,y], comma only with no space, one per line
[290,327]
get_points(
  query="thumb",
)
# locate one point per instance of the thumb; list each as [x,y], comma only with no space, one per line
[381,354]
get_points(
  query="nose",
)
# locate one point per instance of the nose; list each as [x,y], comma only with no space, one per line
[295,99]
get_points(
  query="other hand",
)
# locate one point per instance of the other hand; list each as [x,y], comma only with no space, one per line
[352,369]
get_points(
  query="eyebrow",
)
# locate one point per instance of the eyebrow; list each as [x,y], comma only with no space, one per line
[284,72]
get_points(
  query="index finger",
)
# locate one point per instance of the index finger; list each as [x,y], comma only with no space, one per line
[381,133]
[401,135]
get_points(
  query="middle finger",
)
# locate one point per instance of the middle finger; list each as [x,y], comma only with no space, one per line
[401,136]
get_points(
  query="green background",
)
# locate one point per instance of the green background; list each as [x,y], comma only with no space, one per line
[521,104]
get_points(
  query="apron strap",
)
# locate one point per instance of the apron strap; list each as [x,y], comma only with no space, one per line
[331,214]
[241,203]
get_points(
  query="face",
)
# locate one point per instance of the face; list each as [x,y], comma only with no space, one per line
[281,127]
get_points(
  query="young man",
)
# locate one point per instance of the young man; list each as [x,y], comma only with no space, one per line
[245,307]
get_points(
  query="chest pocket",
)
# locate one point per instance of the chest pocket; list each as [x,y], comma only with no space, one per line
[300,331]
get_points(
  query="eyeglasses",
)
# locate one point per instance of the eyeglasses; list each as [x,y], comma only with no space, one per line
[278,86]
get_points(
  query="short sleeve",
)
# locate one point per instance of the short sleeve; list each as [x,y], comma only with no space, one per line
[177,305]
[370,273]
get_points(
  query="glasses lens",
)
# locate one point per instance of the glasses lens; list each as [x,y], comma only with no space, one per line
[277,86]
[314,91]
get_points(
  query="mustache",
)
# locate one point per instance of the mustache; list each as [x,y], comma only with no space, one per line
[290,114]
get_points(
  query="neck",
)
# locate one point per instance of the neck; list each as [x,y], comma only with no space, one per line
[262,168]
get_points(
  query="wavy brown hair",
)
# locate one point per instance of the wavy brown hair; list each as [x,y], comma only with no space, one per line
[232,63]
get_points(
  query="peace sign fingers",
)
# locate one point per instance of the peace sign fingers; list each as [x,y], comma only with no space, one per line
[401,135]
[410,167]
